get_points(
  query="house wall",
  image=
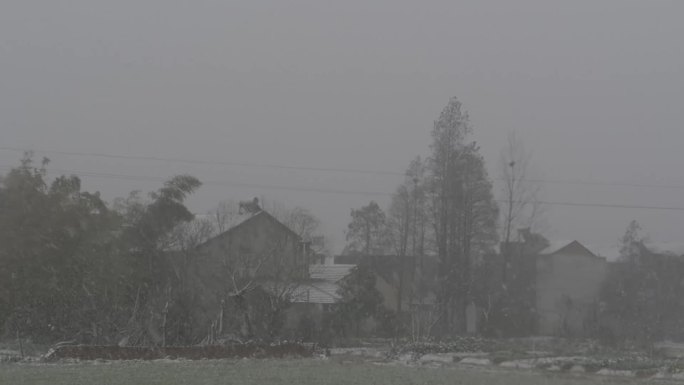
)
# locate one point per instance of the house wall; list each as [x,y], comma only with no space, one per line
[388,292]
[259,238]
[567,291]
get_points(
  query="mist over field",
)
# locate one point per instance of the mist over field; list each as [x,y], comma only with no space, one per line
[269,179]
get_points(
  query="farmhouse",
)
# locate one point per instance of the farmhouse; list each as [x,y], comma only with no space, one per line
[233,272]
[568,284]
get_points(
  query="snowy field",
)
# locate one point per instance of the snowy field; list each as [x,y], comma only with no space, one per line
[265,372]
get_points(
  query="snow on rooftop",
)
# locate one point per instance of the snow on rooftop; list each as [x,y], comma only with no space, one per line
[611,251]
[554,246]
[324,286]
[330,273]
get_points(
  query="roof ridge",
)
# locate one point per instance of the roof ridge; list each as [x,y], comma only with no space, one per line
[248,219]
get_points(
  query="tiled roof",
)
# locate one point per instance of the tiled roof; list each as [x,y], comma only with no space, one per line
[324,284]
[316,292]
[329,273]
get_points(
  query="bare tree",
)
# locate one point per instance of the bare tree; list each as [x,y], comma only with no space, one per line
[520,196]
[188,235]
[259,288]
[423,319]
[406,226]
[304,223]
[225,215]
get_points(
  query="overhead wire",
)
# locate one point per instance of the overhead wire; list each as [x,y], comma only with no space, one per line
[209,162]
[325,169]
[236,184]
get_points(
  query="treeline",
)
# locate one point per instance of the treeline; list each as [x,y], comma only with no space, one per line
[73,267]
[76,268]
[642,299]
[442,225]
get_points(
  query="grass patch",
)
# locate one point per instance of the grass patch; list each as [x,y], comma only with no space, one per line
[28,347]
[507,355]
[305,372]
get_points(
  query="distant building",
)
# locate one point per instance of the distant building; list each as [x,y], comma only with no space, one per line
[259,242]
[316,297]
[324,284]
[568,285]
[258,252]
[560,284]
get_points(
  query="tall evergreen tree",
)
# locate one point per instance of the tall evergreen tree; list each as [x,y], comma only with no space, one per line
[463,208]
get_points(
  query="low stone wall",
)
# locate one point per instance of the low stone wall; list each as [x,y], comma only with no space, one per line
[86,352]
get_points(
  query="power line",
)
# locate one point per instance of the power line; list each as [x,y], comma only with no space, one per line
[328,169]
[341,192]
[211,162]
[598,183]
[606,205]
[211,182]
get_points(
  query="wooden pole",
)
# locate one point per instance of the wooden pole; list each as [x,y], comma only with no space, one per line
[21,345]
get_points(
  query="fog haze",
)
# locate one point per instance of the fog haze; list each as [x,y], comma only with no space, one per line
[594,89]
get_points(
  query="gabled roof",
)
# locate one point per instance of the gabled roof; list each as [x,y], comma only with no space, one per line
[245,220]
[573,247]
[329,273]
[324,284]
[263,214]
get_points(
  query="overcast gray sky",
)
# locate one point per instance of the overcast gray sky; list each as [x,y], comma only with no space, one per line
[594,88]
